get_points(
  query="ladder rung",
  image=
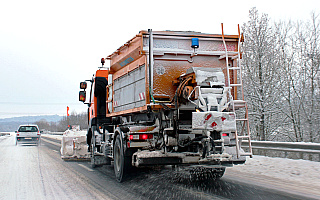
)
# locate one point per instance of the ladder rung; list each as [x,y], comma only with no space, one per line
[235,85]
[243,136]
[239,101]
[241,119]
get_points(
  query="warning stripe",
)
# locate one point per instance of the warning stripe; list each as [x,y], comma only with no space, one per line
[142,96]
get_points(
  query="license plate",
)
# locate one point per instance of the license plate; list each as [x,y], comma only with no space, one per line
[28,138]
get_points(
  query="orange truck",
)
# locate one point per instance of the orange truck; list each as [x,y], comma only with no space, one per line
[169,98]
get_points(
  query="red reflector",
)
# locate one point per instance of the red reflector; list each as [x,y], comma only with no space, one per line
[18,139]
[225,134]
[128,143]
[17,134]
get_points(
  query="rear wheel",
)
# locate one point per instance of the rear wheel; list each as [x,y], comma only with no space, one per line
[121,162]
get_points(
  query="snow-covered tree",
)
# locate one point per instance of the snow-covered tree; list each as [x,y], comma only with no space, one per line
[261,75]
[307,62]
[281,76]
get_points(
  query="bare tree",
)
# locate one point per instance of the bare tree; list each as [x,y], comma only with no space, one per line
[261,75]
[307,61]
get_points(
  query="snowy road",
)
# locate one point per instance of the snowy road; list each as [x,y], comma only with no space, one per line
[32,172]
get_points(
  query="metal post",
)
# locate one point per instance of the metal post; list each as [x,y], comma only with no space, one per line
[150,61]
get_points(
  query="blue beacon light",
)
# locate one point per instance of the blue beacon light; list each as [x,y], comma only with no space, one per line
[195,43]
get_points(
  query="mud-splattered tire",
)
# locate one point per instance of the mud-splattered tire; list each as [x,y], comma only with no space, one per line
[121,162]
[92,147]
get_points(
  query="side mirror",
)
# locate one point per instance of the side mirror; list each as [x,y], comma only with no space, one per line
[83,85]
[82,96]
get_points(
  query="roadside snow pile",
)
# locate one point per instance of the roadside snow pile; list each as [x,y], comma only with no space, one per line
[299,171]
[4,136]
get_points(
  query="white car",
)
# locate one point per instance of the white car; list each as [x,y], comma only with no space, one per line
[28,134]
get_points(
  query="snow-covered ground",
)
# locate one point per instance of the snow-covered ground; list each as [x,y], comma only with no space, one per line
[288,170]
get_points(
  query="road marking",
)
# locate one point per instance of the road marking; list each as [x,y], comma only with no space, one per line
[87,168]
[51,142]
[55,151]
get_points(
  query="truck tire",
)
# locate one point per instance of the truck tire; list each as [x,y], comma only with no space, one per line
[92,147]
[121,163]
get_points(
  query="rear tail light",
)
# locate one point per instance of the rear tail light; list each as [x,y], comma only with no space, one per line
[145,136]
[225,134]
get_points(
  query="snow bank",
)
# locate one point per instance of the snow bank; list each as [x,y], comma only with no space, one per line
[298,171]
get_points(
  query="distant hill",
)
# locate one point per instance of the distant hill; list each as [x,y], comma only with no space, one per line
[12,124]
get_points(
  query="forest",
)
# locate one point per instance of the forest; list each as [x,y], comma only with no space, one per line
[281,61]
[62,125]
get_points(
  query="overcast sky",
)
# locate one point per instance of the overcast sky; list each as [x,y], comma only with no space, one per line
[48,47]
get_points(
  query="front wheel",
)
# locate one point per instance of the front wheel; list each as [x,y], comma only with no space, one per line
[92,148]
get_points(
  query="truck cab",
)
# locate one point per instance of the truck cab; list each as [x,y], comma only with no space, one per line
[97,106]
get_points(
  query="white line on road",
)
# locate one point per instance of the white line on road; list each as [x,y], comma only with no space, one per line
[87,168]
[51,142]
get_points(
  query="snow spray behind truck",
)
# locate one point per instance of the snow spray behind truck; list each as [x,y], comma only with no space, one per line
[169,98]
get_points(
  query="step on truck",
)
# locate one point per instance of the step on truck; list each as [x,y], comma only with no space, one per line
[169,98]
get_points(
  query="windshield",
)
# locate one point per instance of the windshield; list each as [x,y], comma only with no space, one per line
[28,129]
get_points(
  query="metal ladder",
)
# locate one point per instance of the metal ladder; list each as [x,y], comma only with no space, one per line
[238,103]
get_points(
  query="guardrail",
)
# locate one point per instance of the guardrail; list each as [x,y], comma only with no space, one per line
[293,150]
[53,133]
[3,133]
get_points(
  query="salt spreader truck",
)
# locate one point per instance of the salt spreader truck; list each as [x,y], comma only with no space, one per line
[169,98]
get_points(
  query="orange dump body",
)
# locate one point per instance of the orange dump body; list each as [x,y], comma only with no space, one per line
[138,83]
